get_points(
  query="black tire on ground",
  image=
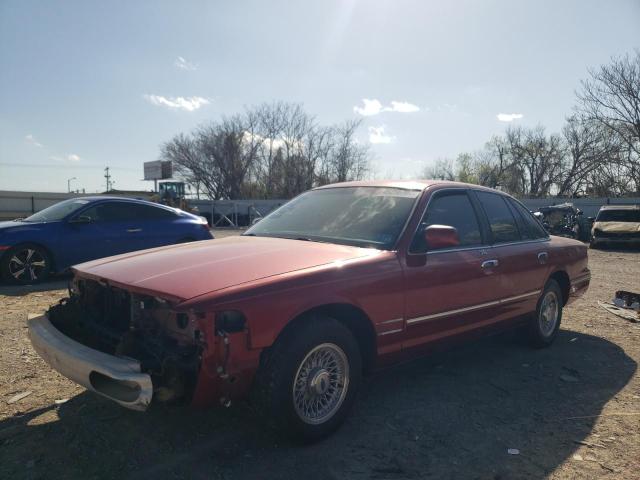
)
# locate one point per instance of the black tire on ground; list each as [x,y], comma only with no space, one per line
[35,259]
[544,325]
[300,354]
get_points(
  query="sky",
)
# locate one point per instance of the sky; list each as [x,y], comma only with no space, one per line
[90,84]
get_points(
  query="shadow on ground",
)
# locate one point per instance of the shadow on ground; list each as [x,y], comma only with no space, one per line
[57,282]
[453,415]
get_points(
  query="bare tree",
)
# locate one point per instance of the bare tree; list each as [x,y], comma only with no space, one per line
[442,169]
[274,150]
[611,98]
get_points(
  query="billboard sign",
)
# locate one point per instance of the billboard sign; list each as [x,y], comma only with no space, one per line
[158,170]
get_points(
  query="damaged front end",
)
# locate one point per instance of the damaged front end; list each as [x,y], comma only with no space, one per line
[123,345]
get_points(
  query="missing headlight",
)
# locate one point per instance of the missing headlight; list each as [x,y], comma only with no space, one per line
[230,321]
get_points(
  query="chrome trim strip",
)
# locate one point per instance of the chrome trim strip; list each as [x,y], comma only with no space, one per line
[518,297]
[452,312]
[390,331]
[472,308]
[395,320]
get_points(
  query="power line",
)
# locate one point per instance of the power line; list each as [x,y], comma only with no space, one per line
[58,165]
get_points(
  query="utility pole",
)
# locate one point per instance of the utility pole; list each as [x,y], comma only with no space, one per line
[107,176]
[69,184]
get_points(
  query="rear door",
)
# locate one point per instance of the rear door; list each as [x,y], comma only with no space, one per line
[521,247]
[457,289]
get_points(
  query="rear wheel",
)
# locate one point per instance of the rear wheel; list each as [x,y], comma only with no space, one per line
[26,264]
[308,382]
[543,327]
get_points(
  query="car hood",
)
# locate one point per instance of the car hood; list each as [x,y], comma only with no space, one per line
[617,226]
[185,271]
[12,225]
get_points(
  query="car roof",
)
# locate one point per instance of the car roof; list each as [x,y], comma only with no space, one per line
[98,198]
[405,184]
[620,207]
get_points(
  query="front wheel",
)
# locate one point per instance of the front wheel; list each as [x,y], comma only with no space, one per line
[543,327]
[309,381]
[26,264]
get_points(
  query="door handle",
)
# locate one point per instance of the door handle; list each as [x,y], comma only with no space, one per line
[490,263]
[543,257]
[133,230]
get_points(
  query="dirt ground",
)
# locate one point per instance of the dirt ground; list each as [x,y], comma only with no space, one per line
[572,411]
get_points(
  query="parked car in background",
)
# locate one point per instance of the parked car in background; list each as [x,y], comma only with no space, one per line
[341,280]
[82,229]
[616,225]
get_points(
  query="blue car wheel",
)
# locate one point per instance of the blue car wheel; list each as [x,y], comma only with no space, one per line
[26,264]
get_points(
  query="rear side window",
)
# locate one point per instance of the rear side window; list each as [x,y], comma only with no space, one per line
[454,210]
[149,212]
[530,227]
[126,211]
[501,221]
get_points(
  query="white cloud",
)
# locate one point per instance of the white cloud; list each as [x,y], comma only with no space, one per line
[189,104]
[404,107]
[183,64]
[371,107]
[71,157]
[32,140]
[509,117]
[374,107]
[377,135]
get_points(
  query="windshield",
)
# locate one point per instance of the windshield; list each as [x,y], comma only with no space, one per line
[360,216]
[57,211]
[618,216]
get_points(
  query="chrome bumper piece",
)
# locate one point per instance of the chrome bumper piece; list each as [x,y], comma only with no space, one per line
[116,378]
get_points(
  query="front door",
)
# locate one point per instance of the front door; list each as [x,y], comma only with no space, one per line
[457,289]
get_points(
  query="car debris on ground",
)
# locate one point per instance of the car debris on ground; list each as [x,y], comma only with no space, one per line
[624,305]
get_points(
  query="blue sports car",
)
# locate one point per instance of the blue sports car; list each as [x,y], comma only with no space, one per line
[83,229]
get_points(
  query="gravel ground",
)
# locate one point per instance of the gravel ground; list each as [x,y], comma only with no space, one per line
[571,411]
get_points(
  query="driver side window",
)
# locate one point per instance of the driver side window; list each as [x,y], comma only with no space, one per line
[453,209]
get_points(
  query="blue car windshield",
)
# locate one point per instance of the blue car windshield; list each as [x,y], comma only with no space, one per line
[370,217]
[58,211]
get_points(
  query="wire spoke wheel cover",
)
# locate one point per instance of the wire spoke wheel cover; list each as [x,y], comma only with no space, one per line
[27,264]
[548,317]
[321,383]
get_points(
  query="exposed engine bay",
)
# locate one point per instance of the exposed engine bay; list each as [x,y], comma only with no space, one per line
[145,328]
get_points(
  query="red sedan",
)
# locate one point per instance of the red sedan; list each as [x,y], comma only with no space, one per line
[339,281]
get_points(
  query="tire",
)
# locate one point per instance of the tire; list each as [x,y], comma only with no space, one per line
[38,264]
[292,378]
[543,327]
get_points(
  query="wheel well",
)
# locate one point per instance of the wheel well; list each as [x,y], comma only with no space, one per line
[351,317]
[52,267]
[565,284]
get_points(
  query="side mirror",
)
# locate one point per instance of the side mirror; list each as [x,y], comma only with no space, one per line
[441,236]
[81,219]
[591,219]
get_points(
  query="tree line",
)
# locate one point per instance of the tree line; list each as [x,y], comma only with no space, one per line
[273,150]
[597,153]
[278,150]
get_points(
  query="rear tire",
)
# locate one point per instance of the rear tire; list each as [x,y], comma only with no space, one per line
[308,382]
[25,264]
[543,327]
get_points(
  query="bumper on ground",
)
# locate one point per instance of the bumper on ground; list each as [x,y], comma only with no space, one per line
[117,378]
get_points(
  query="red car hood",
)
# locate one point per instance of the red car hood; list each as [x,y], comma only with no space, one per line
[192,269]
